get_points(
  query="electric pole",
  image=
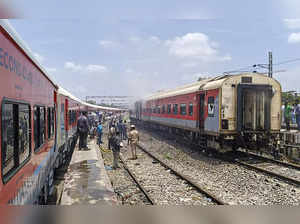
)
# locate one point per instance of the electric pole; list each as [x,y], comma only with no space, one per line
[270,64]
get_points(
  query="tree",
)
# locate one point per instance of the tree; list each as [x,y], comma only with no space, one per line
[92,102]
[289,97]
[202,78]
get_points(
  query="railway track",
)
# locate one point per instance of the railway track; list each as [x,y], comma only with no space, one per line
[282,163]
[188,186]
[287,172]
[271,175]
[139,185]
[281,170]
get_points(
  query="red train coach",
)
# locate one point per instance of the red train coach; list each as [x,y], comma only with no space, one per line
[69,110]
[38,123]
[222,113]
[27,122]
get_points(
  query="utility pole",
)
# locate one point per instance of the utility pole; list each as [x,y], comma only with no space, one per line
[270,64]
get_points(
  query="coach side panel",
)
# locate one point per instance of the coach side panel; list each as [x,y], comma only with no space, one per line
[26,94]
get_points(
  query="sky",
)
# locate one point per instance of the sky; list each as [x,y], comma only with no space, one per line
[136,47]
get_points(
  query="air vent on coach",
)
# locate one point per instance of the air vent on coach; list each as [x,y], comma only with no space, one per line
[246,79]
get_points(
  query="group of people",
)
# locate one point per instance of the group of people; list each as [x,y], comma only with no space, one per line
[84,125]
[291,114]
[116,134]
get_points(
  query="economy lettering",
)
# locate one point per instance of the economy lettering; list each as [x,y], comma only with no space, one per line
[10,63]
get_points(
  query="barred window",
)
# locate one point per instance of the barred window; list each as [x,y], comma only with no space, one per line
[175,108]
[183,109]
[50,121]
[16,140]
[39,126]
[24,132]
[191,109]
[169,108]
[70,117]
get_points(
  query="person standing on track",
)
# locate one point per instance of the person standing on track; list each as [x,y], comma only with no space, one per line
[120,128]
[111,134]
[125,130]
[133,139]
[117,144]
[297,111]
[82,130]
[99,133]
[287,115]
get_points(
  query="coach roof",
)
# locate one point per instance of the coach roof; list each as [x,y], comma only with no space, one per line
[4,23]
[206,84]
[64,92]
[190,88]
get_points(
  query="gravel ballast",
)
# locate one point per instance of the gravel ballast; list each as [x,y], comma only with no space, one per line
[230,182]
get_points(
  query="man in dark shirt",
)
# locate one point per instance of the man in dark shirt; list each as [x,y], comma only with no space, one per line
[116,147]
[82,130]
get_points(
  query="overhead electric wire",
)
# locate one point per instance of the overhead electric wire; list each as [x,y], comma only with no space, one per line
[288,61]
[244,69]
[256,67]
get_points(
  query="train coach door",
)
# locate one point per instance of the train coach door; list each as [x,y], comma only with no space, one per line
[201,110]
[253,107]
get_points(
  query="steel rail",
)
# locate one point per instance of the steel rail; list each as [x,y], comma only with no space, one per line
[270,173]
[186,178]
[246,165]
[149,198]
[294,166]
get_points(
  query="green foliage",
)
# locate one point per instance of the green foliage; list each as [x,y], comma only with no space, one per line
[290,98]
[92,102]
[201,78]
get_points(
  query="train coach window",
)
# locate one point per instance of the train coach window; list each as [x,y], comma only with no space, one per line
[16,139]
[8,138]
[158,109]
[42,134]
[73,117]
[169,108]
[39,126]
[24,134]
[163,109]
[191,109]
[183,109]
[175,109]
[50,122]
[70,117]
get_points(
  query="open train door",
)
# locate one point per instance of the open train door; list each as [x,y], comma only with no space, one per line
[201,110]
[253,107]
